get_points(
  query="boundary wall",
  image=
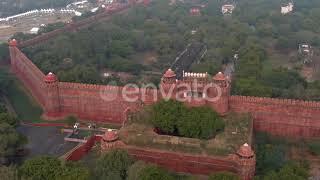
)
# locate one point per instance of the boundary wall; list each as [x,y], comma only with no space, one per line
[283,117]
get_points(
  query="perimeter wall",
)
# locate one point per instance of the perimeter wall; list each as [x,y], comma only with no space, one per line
[284,117]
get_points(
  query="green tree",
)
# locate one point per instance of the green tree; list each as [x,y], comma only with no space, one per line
[291,170]
[223,176]
[135,169]
[113,165]
[174,117]
[41,168]
[270,152]
[71,120]
[10,141]
[74,171]
[164,115]
[152,172]
[199,122]
[9,119]
[4,51]
[9,173]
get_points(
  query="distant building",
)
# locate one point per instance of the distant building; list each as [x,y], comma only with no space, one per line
[195,11]
[227,9]
[34,30]
[306,52]
[287,9]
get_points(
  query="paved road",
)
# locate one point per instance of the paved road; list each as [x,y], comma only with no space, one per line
[45,141]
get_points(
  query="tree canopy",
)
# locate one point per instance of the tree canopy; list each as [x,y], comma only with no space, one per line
[113,166]
[174,117]
[223,176]
[152,172]
[50,168]
[259,34]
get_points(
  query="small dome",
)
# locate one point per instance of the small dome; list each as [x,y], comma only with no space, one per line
[245,151]
[13,42]
[50,77]
[169,74]
[219,77]
[110,135]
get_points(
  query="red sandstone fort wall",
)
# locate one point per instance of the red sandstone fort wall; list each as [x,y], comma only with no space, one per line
[284,117]
[29,74]
[96,102]
[184,163]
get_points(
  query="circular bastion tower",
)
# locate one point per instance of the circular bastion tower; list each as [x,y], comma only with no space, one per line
[52,104]
[246,162]
[168,84]
[218,94]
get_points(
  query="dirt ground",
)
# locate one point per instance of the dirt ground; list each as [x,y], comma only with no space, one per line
[25,24]
[45,141]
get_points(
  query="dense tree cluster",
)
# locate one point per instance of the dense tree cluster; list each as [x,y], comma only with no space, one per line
[50,168]
[273,162]
[291,170]
[173,117]
[113,165]
[10,139]
[4,52]
[257,34]
[223,176]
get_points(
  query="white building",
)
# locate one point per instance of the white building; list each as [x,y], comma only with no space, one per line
[227,8]
[34,30]
[287,9]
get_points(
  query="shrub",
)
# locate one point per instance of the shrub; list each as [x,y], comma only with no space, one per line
[223,176]
[154,173]
[314,147]
[71,120]
[113,165]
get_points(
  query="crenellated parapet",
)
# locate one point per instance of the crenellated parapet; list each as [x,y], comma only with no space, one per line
[276,101]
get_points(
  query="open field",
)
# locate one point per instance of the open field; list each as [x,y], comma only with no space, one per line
[27,23]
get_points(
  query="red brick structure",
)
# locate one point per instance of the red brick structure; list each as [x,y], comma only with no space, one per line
[195,11]
[285,117]
[241,163]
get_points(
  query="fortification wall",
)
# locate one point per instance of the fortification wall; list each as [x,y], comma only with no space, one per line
[102,103]
[284,117]
[29,74]
[182,162]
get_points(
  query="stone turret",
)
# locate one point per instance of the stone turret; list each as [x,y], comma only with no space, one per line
[246,162]
[218,94]
[168,83]
[13,42]
[12,49]
[110,140]
[52,105]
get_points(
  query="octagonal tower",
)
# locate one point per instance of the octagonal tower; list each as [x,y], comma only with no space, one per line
[52,105]
[218,94]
